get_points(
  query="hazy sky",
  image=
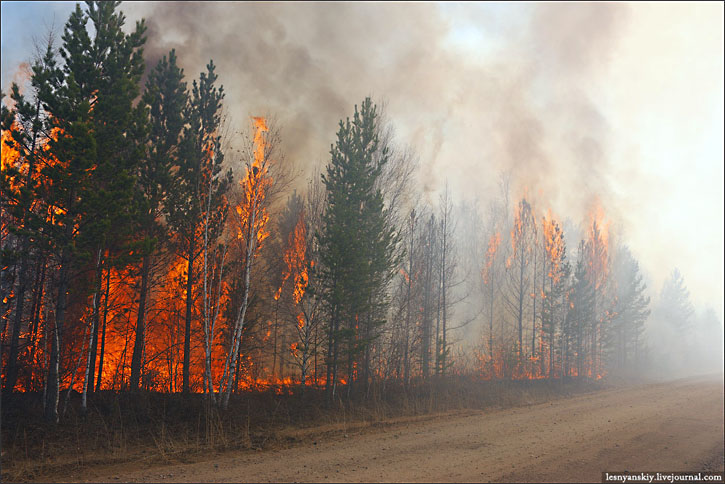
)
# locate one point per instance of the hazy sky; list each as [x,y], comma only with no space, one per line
[611,102]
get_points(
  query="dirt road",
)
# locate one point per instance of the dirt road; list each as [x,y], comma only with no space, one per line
[658,427]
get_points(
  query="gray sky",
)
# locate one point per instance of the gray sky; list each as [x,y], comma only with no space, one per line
[614,104]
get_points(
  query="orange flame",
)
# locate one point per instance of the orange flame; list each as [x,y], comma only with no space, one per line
[553,246]
[493,244]
[255,184]
[523,220]
[10,155]
[295,258]
[405,275]
[598,245]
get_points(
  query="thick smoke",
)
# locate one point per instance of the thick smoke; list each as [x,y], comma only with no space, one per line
[524,108]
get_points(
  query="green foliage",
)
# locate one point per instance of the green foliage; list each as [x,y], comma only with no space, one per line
[199,166]
[357,246]
[87,179]
[164,100]
[581,303]
[195,205]
[632,305]
[675,306]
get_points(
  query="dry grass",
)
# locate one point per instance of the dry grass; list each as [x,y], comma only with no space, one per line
[152,428]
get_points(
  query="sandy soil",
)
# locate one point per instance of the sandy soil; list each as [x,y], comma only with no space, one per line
[676,426]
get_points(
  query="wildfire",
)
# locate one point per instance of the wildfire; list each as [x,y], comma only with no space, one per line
[260,124]
[14,157]
[295,258]
[598,245]
[523,221]
[405,275]
[493,244]
[553,245]
[10,154]
[255,184]
[597,216]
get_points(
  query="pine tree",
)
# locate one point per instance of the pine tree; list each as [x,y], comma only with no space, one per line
[675,298]
[119,128]
[23,138]
[356,243]
[630,312]
[597,262]
[199,187]
[579,315]
[85,185]
[165,98]
[554,287]
[518,270]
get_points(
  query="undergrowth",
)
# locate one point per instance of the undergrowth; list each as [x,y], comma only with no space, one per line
[155,428]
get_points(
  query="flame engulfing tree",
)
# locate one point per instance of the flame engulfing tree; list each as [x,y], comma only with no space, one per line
[519,272]
[117,231]
[596,254]
[490,275]
[23,144]
[85,184]
[196,206]
[251,224]
[556,269]
[166,99]
[296,293]
[491,257]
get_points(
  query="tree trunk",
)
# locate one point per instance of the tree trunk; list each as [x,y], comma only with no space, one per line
[520,314]
[187,328]
[12,365]
[406,357]
[103,332]
[239,324]
[533,319]
[138,346]
[444,343]
[52,384]
[72,378]
[490,324]
[274,342]
[90,363]
[96,323]
[438,322]
[331,369]
[35,313]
